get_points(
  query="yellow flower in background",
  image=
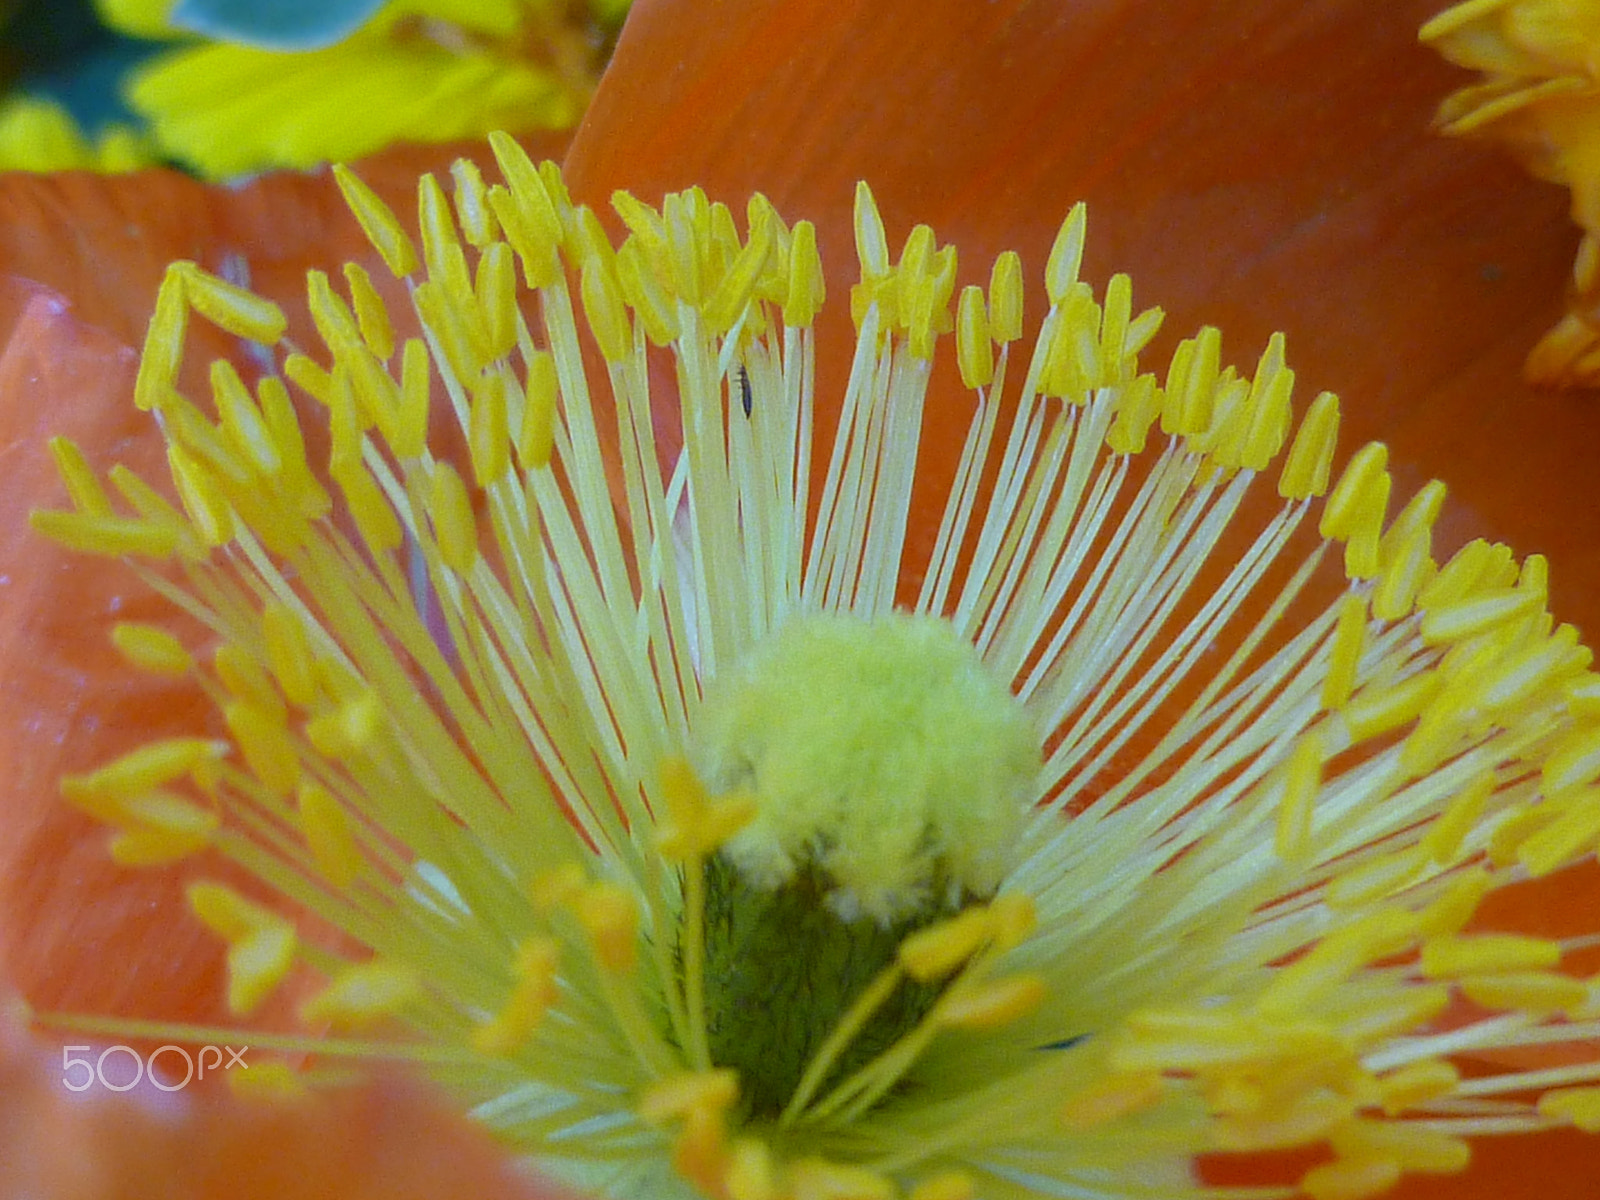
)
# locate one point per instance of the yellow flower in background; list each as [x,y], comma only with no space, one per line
[1540,97]
[37,134]
[416,71]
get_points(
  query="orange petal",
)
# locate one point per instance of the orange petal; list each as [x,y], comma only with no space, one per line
[1260,167]
[385,1140]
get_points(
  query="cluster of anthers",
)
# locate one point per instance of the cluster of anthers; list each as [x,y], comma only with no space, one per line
[666,815]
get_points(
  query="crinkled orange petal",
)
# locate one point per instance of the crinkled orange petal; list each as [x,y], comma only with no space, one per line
[1255,166]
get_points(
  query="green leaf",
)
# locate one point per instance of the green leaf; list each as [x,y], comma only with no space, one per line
[275,24]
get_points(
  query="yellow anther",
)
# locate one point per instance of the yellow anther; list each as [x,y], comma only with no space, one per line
[349,729]
[939,949]
[1417,1084]
[328,834]
[991,1005]
[974,349]
[163,342]
[311,378]
[1310,460]
[1347,509]
[472,203]
[1350,1179]
[409,435]
[245,678]
[1461,576]
[231,308]
[807,287]
[1442,842]
[1005,298]
[1451,911]
[83,488]
[488,438]
[645,224]
[1111,1098]
[275,1083]
[872,246]
[1537,992]
[1485,611]
[1380,709]
[678,1095]
[536,439]
[151,649]
[1574,763]
[1382,933]
[602,303]
[1072,363]
[1487,954]
[1377,879]
[1578,1106]
[378,222]
[1013,918]
[1569,837]
[1138,406]
[153,508]
[1582,696]
[335,322]
[369,507]
[1114,330]
[1344,655]
[529,188]
[1066,255]
[1420,512]
[265,743]
[156,828]
[1404,572]
[261,944]
[454,525]
[441,248]
[151,766]
[1269,409]
[751,1174]
[643,293]
[496,290]
[609,914]
[733,293]
[686,249]
[111,537]
[1413,1146]
[363,994]
[534,246]
[243,426]
[289,653]
[1540,668]
[695,824]
[372,316]
[532,995]
[1302,780]
[1192,379]
[1307,1118]
[818,1179]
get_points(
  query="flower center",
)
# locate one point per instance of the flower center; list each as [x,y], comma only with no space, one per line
[889,770]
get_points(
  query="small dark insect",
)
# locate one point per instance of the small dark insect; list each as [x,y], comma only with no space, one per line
[744,388]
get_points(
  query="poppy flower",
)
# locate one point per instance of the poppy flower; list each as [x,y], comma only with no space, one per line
[694,1112]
